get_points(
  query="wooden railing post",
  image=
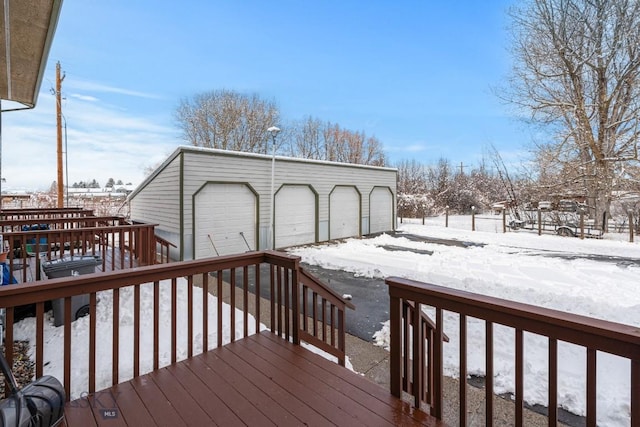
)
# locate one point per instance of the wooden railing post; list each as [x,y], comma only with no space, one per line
[395,356]
[635,392]
[438,366]
[295,303]
[417,369]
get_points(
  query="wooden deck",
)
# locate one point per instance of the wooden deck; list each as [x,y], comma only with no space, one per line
[260,380]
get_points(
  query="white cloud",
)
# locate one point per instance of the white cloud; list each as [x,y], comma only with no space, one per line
[103,141]
[84,97]
[83,85]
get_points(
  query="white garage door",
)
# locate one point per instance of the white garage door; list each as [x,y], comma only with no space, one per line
[295,216]
[380,210]
[225,215]
[344,213]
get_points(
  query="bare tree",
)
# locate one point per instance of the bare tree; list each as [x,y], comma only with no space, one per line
[227,120]
[577,70]
[312,139]
[306,139]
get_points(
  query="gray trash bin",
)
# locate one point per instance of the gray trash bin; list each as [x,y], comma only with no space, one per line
[70,266]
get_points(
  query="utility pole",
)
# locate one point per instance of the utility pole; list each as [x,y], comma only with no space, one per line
[59,80]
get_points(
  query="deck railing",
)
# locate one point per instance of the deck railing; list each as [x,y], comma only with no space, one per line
[57,223]
[424,367]
[8,214]
[162,248]
[266,287]
[592,334]
[325,311]
[121,245]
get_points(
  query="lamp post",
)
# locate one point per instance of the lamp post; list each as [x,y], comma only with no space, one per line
[274,132]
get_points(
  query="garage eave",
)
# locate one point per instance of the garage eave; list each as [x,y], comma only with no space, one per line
[28,27]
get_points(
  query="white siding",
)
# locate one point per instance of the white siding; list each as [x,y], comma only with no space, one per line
[159,202]
[295,216]
[344,212]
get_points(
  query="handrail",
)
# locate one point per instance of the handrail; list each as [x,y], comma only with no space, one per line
[138,240]
[323,317]
[7,225]
[332,296]
[426,335]
[594,335]
[164,255]
[36,213]
[239,279]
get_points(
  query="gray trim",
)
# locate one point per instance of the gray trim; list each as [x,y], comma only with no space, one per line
[181,213]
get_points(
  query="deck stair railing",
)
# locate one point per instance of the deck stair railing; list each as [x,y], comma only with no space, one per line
[162,248]
[593,335]
[424,365]
[325,311]
[259,287]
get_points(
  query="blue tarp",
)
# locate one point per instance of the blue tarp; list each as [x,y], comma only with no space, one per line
[6,278]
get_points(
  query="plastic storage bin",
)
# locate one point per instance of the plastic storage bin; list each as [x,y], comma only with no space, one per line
[65,267]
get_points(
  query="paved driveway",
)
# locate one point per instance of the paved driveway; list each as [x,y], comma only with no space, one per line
[370,296]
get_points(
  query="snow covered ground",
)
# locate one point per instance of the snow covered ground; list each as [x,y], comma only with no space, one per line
[54,336]
[518,266]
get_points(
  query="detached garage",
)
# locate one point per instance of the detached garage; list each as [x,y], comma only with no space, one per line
[211,202]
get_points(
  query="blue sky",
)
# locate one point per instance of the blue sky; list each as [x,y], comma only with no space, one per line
[416,74]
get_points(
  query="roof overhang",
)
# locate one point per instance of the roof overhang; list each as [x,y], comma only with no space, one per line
[26,34]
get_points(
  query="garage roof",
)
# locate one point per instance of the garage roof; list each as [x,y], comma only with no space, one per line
[26,33]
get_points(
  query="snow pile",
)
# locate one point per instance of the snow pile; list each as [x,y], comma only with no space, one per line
[521,267]
[54,336]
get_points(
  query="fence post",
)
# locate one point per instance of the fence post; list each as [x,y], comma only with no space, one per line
[630,212]
[446,216]
[473,218]
[539,222]
[504,220]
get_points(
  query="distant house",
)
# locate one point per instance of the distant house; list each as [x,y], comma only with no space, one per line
[209,202]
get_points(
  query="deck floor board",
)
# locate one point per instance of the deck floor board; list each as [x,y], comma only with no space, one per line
[256,381]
